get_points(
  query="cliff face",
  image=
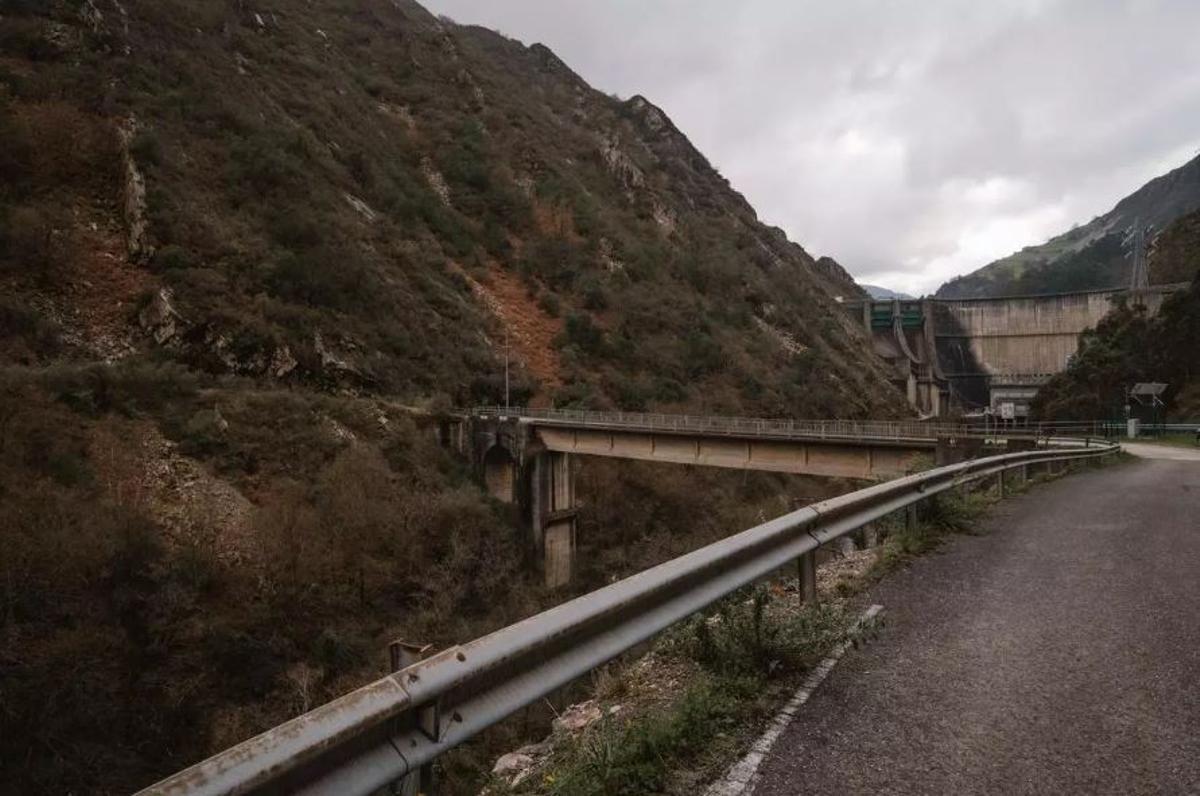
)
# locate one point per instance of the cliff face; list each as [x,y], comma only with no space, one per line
[1091,256]
[363,197]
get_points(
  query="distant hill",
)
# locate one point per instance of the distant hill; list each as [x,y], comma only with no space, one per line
[877,292]
[1091,256]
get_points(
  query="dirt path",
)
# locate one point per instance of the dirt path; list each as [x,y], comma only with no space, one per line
[1057,652]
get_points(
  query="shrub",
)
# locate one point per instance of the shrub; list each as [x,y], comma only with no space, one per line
[39,240]
[146,148]
[172,257]
[744,638]
[549,304]
[582,333]
[322,278]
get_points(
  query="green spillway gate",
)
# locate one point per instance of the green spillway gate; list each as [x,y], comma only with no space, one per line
[911,316]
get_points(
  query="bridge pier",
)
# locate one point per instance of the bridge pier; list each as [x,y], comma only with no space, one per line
[516,468]
[553,514]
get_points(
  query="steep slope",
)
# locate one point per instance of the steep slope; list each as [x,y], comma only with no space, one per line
[1127,347]
[1175,254]
[242,246]
[313,193]
[1091,256]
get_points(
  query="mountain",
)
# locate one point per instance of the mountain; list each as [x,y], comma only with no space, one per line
[876,292]
[245,249]
[372,199]
[1091,256]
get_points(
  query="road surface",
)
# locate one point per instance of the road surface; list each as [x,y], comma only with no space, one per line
[1150,450]
[1057,652]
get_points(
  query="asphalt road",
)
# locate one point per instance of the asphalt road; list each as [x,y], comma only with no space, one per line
[1057,652]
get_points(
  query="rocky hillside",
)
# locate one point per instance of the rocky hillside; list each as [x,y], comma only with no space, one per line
[1175,254]
[363,197]
[243,246]
[1090,256]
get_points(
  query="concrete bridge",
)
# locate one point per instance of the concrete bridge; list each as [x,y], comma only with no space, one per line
[985,352]
[529,457]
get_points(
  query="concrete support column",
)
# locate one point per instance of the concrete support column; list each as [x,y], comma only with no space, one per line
[553,515]
[807,573]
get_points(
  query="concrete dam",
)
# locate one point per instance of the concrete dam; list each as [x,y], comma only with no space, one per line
[981,353]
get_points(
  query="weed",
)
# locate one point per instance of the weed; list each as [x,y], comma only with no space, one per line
[632,758]
[743,637]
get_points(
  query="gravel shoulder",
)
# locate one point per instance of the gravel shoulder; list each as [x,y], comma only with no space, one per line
[1056,652]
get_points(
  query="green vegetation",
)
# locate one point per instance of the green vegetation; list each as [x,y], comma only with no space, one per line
[749,653]
[334,172]
[1127,347]
[947,514]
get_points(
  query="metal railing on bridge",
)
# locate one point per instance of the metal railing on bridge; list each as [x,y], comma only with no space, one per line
[727,426]
[387,730]
[788,428]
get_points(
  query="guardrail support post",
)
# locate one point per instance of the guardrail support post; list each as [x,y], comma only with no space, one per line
[807,572]
[1000,484]
[910,517]
[401,655]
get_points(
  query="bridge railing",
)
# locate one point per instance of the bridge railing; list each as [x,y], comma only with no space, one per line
[781,427]
[724,425]
[384,731]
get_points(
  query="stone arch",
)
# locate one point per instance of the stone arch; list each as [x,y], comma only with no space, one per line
[500,474]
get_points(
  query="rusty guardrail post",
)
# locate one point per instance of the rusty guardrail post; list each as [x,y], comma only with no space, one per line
[401,655]
[807,574]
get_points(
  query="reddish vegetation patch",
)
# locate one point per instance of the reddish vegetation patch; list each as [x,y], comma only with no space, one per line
[103,285]
[555,220]
[531,330]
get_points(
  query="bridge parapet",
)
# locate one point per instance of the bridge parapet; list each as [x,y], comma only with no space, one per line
[728,426]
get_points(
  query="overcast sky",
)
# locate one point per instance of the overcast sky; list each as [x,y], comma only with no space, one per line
[912,141]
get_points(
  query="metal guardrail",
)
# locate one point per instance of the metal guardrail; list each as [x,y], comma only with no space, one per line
[752,426]
[387,730]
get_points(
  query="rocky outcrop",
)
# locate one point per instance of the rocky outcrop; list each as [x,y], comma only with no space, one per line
[619,164]
[159,318]
[133,203]
[437,183]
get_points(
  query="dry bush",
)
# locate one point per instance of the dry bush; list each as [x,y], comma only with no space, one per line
[64,145]
[39,241]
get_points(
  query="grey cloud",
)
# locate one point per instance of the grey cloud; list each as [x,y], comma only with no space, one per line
[911,141]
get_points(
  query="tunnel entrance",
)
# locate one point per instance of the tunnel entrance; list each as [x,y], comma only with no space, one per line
[500,474]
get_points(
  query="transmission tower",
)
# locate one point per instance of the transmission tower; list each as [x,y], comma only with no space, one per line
[1139,277]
